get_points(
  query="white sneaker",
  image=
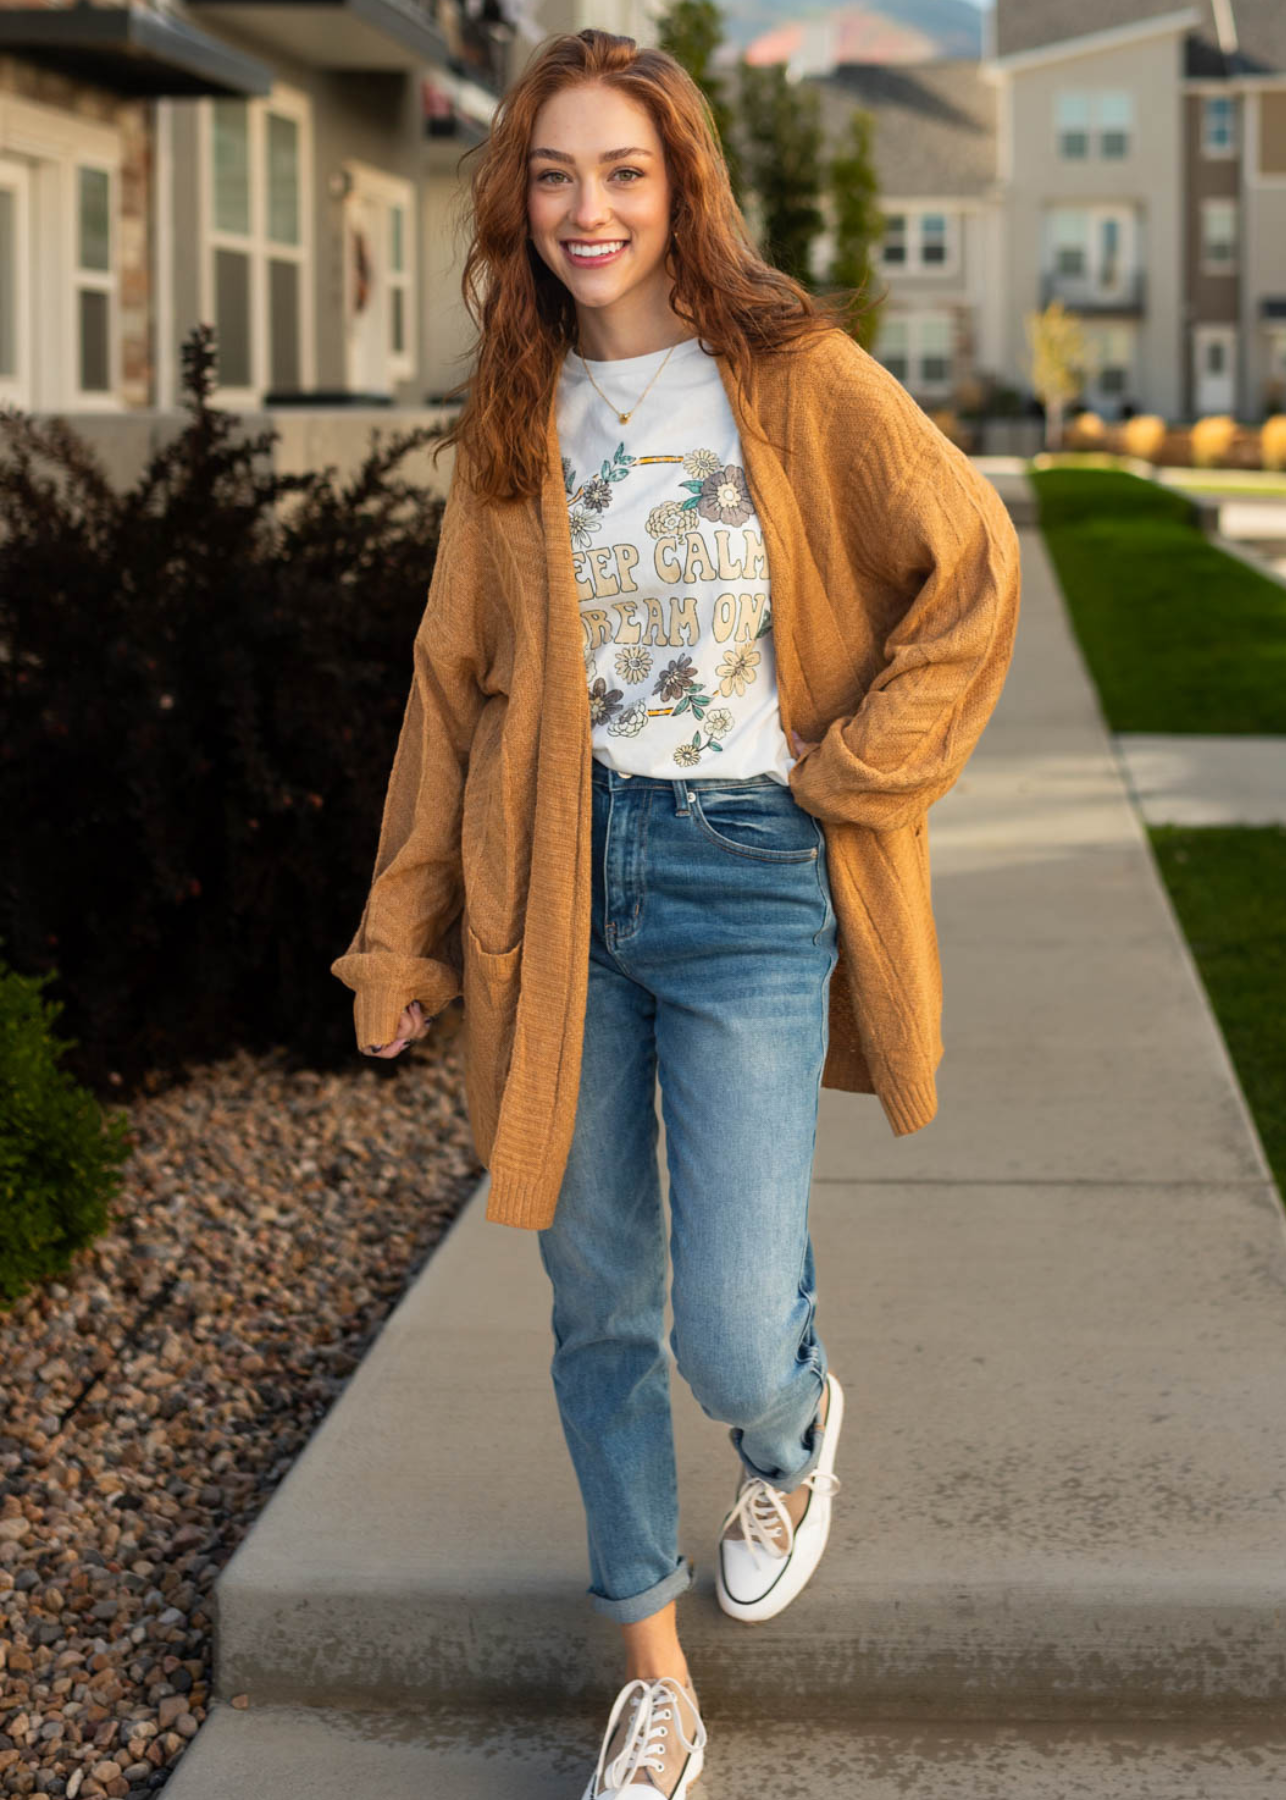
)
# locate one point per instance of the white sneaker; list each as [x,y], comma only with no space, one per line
[769,1559]
[654,1743]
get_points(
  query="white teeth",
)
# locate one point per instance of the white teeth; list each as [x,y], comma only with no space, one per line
[601,250]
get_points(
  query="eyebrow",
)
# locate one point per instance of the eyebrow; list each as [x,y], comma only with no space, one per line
[607,156]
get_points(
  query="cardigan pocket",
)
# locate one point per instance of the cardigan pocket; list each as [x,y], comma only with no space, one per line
[490,992]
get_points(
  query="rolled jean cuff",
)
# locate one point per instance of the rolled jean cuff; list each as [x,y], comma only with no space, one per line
[815,1438]
[641,1606]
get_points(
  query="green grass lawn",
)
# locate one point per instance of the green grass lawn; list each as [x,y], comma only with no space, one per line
[1227,883]
[1181,637]
[1178,635]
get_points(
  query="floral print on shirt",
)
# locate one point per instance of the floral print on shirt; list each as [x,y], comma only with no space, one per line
[716,491]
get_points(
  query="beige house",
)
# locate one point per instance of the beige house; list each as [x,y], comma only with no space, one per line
[934,149]
[289,174]
[1125,156]
[1142,172]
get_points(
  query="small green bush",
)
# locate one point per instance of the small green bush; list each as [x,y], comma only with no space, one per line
[60,1154]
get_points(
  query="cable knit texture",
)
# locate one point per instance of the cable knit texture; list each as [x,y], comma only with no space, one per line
[895,582]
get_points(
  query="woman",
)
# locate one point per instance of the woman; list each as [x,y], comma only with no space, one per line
[615,842]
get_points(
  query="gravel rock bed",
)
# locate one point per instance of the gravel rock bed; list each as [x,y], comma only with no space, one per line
[268,1223]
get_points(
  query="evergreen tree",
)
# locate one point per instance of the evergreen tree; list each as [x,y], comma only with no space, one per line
[858,220]
[782,122]
[691,30]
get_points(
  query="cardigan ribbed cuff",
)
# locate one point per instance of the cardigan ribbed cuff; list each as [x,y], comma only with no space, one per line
[910,1105]
[528,1202]
[376,1011]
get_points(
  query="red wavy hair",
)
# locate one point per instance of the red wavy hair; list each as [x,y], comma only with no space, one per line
[526,319]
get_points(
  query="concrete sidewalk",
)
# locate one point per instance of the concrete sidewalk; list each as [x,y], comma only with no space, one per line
[1205,778]
[1060,1314]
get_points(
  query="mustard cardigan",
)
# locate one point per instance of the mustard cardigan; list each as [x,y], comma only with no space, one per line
[895,593]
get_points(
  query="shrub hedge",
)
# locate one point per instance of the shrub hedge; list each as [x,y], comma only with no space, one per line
[202,680]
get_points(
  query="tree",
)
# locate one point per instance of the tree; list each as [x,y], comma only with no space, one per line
[858,220]
[691,31]
[1058,361]
[782,123]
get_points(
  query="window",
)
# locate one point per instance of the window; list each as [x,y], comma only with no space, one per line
[917,348]
[1109,250]
[893,249]
[1109,359]
[94,279]
[1103,120]
[935,352]
[1218,125]
[893,346]
[920,240]
[1219,236]
[933,238]
[1115,122]
[1092,253]
[258,262]
[61,256]
[398,280]
[1070,230]
[1073,124]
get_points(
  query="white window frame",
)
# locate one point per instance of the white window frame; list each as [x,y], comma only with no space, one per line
[1092,101]
[55,144]
[914,213]
[293,104]
[1212,151]
[1220,265]
[915,325]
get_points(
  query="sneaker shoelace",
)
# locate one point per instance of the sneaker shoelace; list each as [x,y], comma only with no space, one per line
[654,1709]
[760,1508]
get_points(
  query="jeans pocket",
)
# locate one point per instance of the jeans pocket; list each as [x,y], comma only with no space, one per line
[763,822]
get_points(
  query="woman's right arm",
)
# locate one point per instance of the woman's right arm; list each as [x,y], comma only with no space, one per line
[397,955]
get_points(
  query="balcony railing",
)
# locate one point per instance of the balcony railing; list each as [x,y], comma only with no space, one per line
[1094,294]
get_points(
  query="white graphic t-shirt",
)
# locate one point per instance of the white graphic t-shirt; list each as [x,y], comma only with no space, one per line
[671,570]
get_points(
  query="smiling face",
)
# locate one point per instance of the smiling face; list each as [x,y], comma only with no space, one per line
[598,208]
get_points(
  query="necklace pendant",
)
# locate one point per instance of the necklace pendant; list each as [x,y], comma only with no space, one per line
[624,418]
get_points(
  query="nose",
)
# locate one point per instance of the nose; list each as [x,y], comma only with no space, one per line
[591,206]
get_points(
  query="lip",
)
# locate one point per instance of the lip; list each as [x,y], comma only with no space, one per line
[584,264]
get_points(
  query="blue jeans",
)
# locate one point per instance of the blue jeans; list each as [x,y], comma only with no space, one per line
[712,946]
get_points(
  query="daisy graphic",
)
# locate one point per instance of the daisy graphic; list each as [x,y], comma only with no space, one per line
[738,669]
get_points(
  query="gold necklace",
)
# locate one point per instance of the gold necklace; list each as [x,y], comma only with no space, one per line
[626,417]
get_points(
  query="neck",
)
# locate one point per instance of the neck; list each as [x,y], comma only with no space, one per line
[599,340]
